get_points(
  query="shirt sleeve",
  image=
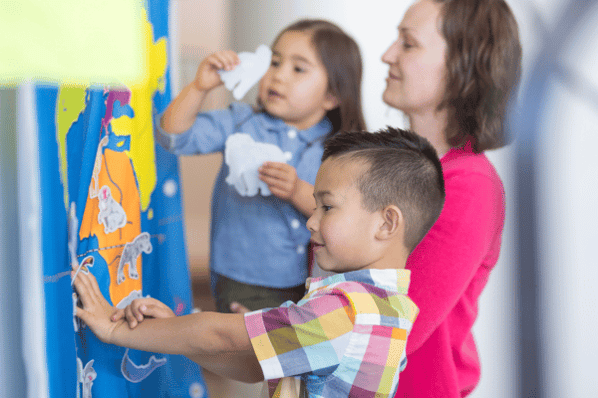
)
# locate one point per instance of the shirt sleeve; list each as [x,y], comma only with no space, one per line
[447,259]
[207,134]
[299,338]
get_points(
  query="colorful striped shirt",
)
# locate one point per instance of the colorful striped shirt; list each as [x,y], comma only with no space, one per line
[345,338]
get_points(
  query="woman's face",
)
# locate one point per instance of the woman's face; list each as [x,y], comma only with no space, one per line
[416,80]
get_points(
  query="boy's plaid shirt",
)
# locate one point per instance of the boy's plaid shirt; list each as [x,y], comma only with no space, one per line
[345,338]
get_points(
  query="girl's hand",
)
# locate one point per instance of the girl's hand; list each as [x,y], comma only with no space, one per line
[96,311]
[207,76]
[281,178]
[139,309]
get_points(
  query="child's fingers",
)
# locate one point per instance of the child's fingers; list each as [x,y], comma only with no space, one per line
[230,59]
[130,317]
[238,308]
[226,60]
[82,314]
[277,182]
[93,282]
[118,315]
[135,305]
[85,292]
[274,174]
[156,311]
[276,167]
[281,171]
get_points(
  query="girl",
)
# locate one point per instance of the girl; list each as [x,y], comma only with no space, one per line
[452,71]
[311,91]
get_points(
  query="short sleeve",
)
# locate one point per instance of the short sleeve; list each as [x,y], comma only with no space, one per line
[207,134]
[308,337]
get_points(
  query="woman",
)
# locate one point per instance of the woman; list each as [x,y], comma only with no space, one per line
[452,70]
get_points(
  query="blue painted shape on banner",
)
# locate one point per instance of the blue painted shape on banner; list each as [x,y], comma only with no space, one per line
[122,110]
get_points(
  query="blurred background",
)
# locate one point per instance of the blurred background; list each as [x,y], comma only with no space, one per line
[539,312]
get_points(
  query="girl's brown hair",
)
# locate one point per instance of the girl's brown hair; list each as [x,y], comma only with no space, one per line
[341,57]
[484,67]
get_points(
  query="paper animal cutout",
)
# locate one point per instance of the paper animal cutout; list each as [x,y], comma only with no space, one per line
[248,72]
[94,188]
[244,156]
[85,376]
[111,214]
[135,294]
[129,255]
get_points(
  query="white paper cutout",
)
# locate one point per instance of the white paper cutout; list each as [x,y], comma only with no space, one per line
[97,167]
[85,376]
[135,294]
[244,156]
[111,214]
[129,255]
[251,69]
[73,231]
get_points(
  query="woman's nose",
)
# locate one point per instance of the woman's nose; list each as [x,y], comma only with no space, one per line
[390,56]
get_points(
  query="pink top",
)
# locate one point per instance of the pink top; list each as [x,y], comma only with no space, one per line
[449,270]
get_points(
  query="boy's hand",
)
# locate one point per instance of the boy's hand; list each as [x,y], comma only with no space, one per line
[141,308]
[281,178]
[207,76]
[96,311]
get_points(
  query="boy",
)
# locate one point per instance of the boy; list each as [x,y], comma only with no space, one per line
[376,195]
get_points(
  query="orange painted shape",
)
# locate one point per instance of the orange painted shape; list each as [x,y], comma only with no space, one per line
[117,174]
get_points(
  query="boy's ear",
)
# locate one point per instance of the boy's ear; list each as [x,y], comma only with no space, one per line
[392,223]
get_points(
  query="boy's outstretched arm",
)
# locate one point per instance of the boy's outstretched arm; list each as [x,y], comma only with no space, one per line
[217,342]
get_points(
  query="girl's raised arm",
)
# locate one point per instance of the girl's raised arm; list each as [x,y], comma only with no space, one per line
[181,113]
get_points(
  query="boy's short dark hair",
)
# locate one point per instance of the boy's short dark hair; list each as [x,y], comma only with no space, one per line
[404,170]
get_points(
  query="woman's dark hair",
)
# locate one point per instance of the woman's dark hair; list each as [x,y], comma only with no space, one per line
[484,67]
[341,57]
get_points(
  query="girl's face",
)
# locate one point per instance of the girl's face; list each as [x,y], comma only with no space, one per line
[416,81]
[295,87]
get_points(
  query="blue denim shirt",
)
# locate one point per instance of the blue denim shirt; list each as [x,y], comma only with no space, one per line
[258,240]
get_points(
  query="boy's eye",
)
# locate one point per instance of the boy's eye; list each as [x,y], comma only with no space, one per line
[326,207]
[299,69]
[274,63]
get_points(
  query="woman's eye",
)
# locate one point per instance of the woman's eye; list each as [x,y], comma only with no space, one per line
[326,208]
[299,69]
[274,63]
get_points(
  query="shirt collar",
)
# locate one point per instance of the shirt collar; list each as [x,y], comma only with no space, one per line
[394,280]
[318,130]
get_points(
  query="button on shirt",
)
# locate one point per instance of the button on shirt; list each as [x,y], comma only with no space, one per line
[345,338]
[258,240]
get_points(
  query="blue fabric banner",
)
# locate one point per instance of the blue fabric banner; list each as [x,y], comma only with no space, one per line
[111,204]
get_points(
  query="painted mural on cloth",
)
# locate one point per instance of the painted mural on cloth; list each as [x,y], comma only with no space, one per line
[112,206]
